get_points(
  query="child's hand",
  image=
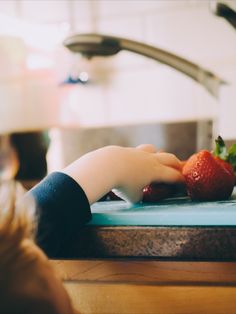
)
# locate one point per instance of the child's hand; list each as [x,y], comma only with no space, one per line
[127,170]
[143,165]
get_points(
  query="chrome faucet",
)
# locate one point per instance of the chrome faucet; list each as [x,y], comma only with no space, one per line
[92,44]
[225,10]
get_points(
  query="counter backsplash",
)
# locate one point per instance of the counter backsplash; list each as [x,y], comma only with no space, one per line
[182,139]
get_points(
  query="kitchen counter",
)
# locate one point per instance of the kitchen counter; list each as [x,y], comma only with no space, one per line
[174,257]
[174,229]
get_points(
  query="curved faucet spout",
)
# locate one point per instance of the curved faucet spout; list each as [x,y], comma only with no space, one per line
[92,44]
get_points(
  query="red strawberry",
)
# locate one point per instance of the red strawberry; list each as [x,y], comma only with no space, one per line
[155,192]
[209,176]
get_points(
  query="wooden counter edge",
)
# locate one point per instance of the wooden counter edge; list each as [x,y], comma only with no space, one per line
[146,271]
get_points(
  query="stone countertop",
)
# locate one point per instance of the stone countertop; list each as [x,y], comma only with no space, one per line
[174,229]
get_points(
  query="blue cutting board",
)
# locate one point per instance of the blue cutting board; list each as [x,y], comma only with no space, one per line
[170,212]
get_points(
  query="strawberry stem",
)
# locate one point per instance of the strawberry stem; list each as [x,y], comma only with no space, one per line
[221,152]
[220,149]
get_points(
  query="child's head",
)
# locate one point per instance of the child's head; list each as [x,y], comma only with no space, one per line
[28,284]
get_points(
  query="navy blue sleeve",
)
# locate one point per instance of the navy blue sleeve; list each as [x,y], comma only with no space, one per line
[62,208]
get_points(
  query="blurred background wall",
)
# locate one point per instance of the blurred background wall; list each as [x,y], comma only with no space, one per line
[127,89]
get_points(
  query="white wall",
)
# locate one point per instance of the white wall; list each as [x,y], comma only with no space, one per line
[137,89]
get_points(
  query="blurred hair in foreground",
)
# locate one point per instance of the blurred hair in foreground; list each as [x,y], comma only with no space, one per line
[28,283]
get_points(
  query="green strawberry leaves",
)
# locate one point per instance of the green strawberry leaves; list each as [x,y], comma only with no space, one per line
[232,156]
[224,154]
[220,149]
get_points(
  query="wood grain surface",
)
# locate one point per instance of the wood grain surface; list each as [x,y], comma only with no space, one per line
[147,271]
[148,299]
[128,286]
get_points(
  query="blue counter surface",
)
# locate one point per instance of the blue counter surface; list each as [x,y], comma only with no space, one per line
[170,212]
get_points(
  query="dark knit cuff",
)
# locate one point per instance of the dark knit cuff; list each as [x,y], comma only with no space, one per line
[62,208]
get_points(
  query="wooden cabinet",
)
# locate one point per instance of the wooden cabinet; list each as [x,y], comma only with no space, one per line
[134,286]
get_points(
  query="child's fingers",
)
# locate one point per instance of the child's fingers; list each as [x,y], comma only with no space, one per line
[132,196]
[169,175]
[149,148]
[170,160]
[183,162]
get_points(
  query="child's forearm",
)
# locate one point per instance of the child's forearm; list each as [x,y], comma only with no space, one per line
[96,172]
[127,169]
